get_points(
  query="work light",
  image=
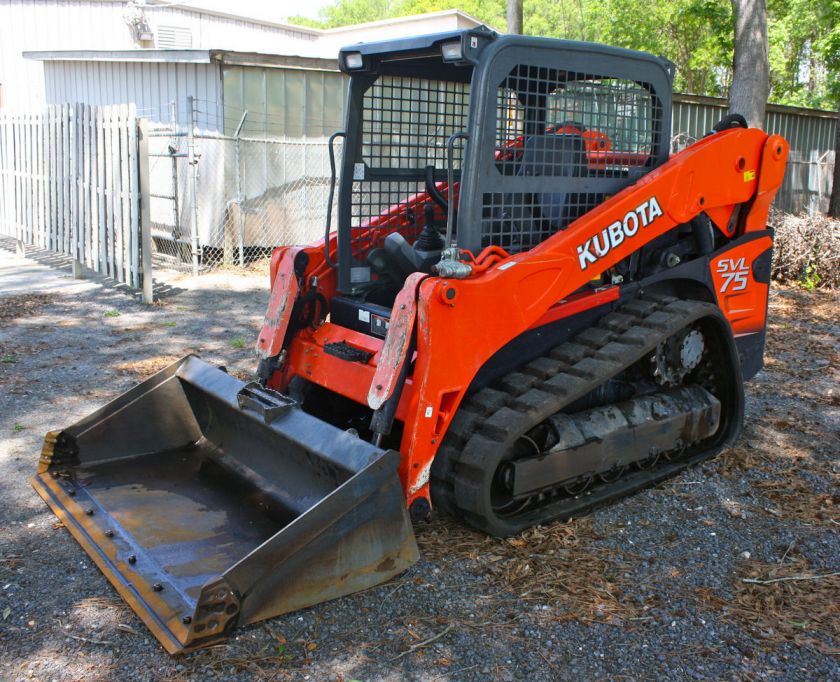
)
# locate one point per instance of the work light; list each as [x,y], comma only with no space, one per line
[452,51]
[353,60]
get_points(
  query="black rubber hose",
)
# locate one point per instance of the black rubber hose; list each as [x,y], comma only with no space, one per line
[703,235]
[731,121]
[433,191]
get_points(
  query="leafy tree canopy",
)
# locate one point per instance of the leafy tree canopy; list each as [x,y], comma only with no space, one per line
[697,35]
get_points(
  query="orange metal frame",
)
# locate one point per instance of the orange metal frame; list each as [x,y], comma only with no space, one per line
[460,324]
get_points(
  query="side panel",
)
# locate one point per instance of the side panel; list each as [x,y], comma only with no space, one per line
[741,276]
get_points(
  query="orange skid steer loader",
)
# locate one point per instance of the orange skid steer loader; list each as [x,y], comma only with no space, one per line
[528,308]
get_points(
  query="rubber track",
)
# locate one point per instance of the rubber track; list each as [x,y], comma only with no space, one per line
[495,417]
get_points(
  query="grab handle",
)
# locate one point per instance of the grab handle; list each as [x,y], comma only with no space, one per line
[328,225]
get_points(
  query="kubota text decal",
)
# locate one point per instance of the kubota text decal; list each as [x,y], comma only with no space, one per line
[612,236]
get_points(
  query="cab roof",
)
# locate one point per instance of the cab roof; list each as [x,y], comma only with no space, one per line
[385,56]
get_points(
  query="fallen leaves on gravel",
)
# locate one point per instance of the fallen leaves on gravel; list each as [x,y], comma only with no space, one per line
[559,565]
[793,498]
[264,662]
[100,603]
[802,345]
[803,612]
[784,603]
[13,307]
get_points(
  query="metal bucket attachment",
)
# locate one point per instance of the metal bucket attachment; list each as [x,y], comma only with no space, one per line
[210,504]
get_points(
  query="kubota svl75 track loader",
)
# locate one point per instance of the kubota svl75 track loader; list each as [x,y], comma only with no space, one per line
[527,308]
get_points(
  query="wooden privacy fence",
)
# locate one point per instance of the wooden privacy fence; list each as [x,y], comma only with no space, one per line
[70,182]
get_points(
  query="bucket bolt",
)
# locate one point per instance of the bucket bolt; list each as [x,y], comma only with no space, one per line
[132,559]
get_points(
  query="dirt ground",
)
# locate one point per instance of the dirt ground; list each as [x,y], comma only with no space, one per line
[731,571]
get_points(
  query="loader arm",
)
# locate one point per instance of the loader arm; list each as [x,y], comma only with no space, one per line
[739,167]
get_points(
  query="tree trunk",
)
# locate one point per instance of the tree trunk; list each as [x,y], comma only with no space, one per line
[514,16]
[751,69]
[834,202]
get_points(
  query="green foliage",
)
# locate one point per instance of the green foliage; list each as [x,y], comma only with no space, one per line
[811,279]
[697,35]
[804,39]
[688,32]
[298,20]
[345,12]
[238,342]
[112,313]
[356,12]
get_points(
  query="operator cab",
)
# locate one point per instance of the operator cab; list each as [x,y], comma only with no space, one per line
[473,139]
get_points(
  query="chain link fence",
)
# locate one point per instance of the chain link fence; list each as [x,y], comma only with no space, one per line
[168,195]
[255,194]
[229,200]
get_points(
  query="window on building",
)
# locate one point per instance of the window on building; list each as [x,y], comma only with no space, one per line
[283,102]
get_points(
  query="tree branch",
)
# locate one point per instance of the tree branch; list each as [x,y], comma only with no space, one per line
[420,645]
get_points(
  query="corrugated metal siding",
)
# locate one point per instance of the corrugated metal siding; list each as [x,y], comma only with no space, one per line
[32,25]
[803,128]
[228,33]
[809,132]
[152,86]
[807,183]
[39,25]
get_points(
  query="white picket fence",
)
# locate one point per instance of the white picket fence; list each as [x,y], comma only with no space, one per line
[70,183]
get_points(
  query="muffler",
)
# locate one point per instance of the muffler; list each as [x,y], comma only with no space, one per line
[210,503]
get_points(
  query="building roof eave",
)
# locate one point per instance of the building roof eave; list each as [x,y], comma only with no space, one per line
[409,18]
[138,55]
[213,56]
[285,61]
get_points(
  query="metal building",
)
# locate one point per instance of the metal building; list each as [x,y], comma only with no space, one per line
[284,95]
[152,52]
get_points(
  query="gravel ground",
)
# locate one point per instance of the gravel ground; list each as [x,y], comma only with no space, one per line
[650,588]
